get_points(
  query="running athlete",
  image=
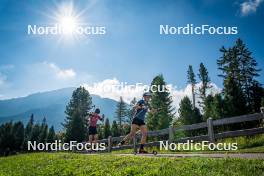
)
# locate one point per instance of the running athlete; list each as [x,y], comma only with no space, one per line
[138,122]
[93,118]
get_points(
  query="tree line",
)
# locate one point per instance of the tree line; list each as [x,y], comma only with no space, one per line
[241,93]
[14,136]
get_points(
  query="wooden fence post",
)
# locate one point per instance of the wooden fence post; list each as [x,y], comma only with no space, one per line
[135,144]
[74,149]
[109,143]
[171,134]
[210,129]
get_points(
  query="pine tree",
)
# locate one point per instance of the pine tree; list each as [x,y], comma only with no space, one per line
[114,130]
[234,98]
[77,109]
[248,71]
[197,115]
[43,131]
[161,100]
[214,107]
[19,135]
[256,93]
[7,142]
[192,81]
[187,114]
[131,111]
[36,133]
[76,128]
[29,128]
[233,94]
[208,107]
[203,75]
[121,113]
[1,139]
[107,129]
[51,135]
[239,70]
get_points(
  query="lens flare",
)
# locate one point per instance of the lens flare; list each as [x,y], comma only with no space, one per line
[68,24]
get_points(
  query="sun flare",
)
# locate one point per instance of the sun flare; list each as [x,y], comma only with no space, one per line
[68,20]
[68,24]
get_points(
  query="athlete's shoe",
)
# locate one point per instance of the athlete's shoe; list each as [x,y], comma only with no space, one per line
[121,143]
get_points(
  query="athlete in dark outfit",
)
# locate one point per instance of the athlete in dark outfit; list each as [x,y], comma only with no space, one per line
[142,107]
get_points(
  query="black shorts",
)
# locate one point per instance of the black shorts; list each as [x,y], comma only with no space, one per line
[92,130]
[138,122]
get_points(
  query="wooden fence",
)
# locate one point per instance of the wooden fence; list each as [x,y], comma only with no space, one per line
[209,125]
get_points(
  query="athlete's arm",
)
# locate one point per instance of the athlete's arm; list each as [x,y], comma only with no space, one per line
[138,106]
[101,118]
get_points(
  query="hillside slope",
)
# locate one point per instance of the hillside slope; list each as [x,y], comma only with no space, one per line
[49,104]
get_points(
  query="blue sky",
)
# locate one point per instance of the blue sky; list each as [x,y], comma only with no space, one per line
[131,51]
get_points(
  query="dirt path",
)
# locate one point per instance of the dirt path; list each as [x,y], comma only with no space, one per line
[211,155]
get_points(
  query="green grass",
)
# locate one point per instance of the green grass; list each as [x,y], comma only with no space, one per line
[251,144]
[79,164]
[246,141]
[259,149]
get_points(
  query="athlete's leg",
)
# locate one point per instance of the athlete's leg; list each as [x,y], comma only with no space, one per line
[132,133]
[95,138]
[90,138]
[144,132]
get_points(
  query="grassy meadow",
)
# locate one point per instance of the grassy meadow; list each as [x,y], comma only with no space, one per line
[109,164]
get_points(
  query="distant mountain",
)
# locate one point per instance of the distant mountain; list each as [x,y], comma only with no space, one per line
[49,104]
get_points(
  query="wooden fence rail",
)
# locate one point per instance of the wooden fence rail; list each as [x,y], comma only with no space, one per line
[209,125]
